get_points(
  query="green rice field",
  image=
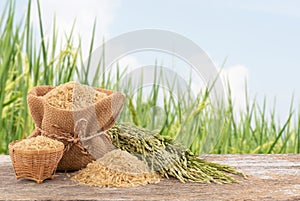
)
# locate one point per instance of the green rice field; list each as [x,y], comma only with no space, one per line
[28,59]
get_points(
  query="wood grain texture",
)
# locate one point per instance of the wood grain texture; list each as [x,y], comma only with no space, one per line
[270,177]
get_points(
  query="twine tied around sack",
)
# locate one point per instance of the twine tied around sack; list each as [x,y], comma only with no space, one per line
[67,138]
[91,143]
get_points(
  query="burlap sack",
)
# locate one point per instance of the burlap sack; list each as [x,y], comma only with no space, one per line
[60,124]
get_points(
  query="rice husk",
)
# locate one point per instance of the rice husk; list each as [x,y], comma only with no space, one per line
[37,143]
[116,169]
[115,160]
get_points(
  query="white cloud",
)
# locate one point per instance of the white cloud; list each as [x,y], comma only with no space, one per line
[84,12]
[129,61]
[236,76]
[288,8]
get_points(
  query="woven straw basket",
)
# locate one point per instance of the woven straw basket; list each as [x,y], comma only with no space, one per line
[36,165]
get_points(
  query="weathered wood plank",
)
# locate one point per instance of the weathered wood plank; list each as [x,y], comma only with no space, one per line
[270,177]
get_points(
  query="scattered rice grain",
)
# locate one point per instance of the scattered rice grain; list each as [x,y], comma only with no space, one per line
[116,169]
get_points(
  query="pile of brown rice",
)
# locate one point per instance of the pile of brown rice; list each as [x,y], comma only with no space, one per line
[37,143]
[73,96]
[116,169]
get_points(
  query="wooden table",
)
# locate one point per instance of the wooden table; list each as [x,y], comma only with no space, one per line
[270,177]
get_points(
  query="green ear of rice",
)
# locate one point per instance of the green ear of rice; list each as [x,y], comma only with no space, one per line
[168,158]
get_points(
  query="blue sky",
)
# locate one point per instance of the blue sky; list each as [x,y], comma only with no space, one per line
[258,35]
[259,38]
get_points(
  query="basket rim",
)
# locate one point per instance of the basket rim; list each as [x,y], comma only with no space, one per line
[41,151]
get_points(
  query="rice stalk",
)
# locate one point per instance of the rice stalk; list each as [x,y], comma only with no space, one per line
[162,154]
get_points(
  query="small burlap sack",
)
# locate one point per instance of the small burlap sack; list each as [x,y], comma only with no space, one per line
[59,124]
